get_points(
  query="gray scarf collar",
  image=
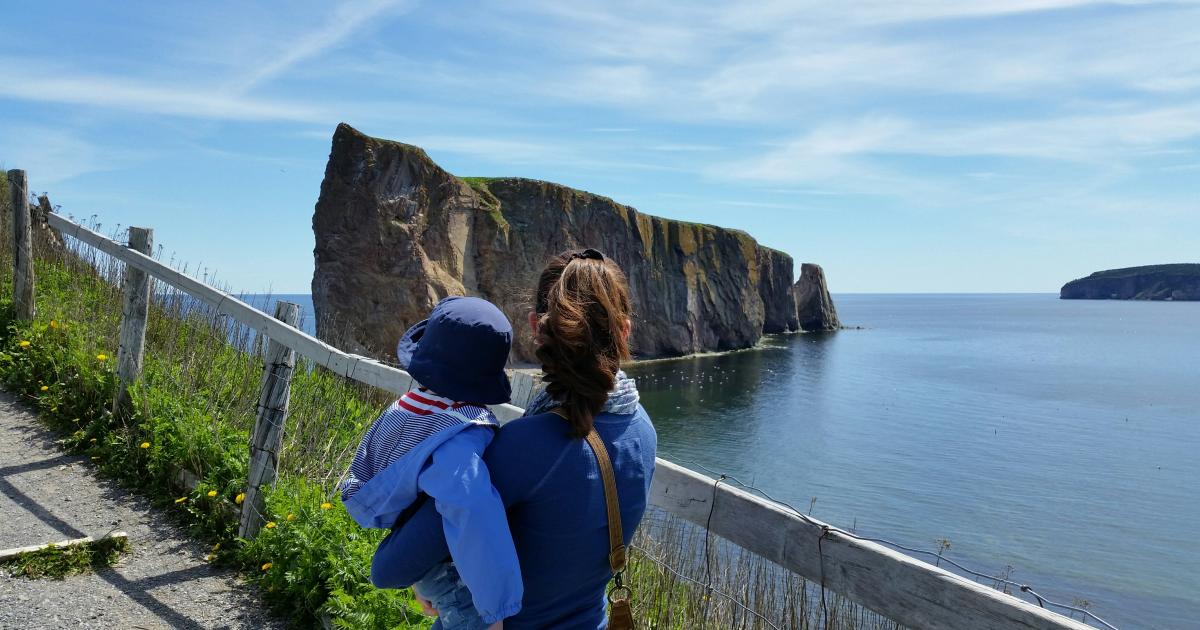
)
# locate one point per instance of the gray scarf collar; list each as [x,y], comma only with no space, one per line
[622,400]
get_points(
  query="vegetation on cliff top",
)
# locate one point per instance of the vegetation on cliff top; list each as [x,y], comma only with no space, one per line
[1130,272]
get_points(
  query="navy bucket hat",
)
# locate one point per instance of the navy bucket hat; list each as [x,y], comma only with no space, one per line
[460,351]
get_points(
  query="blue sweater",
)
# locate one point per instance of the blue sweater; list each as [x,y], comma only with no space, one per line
[552,488]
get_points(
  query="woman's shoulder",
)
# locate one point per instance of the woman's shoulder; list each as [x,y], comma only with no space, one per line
[543,429]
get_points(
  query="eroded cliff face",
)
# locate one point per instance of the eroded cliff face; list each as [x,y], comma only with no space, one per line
[814,304]
[395,233]
[775,289]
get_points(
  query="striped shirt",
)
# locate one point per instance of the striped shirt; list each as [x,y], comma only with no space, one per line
[413,418]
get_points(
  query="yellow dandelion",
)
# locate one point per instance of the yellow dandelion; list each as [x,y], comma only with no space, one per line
[45,388]
[212,493]
[144,445]
[53,323]
[93,440]
[210,557]
[266,567]
[216,547]
[101,357]
[291,517]
[94,458]
[180,500]
[239,498]
[24,344]
[326,506]
[270,524]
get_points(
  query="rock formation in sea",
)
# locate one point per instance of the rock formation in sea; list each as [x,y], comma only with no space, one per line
[1151,282]
[395,233]
[814,305]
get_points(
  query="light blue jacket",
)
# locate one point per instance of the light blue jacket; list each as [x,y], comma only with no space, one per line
[448,466]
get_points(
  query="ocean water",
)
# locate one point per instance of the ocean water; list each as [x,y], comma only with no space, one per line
[1061,438]
[266,303]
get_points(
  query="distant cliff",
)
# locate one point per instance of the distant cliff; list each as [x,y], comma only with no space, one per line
[814,305]
[1152,282]
[395,233]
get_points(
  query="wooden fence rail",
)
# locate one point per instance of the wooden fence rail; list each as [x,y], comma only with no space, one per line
[906,590]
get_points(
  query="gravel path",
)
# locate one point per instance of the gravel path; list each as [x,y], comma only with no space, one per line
[163,582]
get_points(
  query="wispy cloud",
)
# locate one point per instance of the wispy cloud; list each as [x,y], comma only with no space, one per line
[823,154]
[347,19]
[843,150]
[53,85]
[52,155]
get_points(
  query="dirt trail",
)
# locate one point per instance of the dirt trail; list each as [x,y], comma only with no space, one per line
[163,582]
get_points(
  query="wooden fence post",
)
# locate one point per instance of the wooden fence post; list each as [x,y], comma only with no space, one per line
[268,426]
[133,320]
[523,389]
[22,226]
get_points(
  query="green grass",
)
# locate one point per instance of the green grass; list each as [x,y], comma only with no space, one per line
[58,562]
[193,410]
[490,201]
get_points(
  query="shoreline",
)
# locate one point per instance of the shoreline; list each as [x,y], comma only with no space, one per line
[763,343]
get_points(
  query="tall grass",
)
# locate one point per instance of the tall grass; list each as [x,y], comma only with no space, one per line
[194,408]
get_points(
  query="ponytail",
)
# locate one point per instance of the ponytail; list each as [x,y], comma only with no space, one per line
[583,311]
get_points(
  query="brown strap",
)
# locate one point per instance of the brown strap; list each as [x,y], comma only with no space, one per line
[616,537]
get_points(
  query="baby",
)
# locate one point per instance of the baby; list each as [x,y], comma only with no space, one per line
[430,442]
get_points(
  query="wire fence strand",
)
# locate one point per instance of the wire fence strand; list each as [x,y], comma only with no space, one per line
[940,555]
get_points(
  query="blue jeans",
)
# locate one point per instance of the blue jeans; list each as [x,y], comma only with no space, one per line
[445,589]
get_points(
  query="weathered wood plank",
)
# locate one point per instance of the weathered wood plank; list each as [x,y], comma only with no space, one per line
[22,226]
[362,369]
[268,426]
[359,368]
[507,413]
[134,311]
[6,554]
[522,388]
[901,588]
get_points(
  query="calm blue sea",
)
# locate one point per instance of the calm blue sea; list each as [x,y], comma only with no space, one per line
[1061,438]
[266,303]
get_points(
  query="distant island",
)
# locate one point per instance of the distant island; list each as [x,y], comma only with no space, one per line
[1177,282]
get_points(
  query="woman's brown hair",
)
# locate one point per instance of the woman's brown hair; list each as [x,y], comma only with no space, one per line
[583,312]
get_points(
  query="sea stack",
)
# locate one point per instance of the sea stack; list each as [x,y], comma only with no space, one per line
[395,233]
[1178,282]
[814,305]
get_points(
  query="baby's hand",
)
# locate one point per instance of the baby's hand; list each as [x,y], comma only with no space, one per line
[426,605]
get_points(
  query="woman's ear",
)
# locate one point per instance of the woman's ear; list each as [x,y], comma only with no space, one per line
[627,328]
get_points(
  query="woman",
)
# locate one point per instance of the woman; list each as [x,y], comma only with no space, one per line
[542,468]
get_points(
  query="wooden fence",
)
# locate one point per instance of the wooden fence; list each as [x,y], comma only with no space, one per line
[899,587]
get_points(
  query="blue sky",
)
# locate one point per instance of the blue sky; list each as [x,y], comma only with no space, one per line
[906,146]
